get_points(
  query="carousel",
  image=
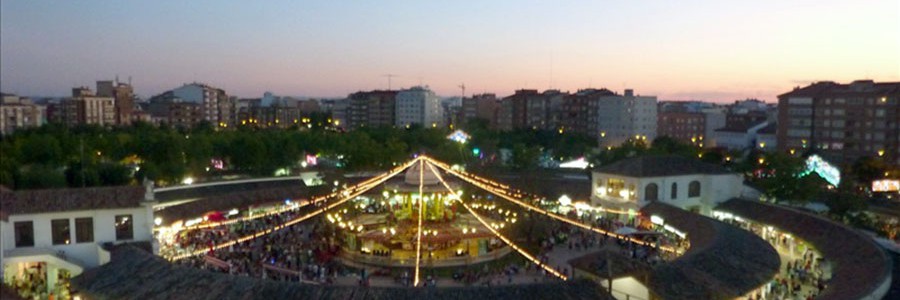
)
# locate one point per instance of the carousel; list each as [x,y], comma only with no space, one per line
[382,229]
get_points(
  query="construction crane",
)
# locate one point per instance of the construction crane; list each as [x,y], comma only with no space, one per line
[389,77]
[462,86]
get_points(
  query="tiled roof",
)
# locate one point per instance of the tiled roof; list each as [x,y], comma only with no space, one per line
[723,262]
[235,199]
[69,199]
[661,165]
[136,274]
[860,266]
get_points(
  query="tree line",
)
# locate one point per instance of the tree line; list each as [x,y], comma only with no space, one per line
[55,156]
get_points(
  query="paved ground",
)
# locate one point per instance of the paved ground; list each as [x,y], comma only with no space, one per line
[784,254]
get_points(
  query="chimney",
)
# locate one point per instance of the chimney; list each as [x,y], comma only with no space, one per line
[629,93]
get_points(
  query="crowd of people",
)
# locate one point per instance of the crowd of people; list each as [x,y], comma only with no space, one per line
[296,253]
[802,278]
[188,241]
[303,252]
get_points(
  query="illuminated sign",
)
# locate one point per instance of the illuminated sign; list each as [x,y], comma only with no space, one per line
[575,164]
[886,185]
[828,172]
[459,136]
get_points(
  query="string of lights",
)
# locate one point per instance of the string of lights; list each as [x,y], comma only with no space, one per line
[357,190]
[419,230]
[505,195]
[283,209]
[494,231]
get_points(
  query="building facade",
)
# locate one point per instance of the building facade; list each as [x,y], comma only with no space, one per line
[485,107]
[371,109]
[165,108]
[419,105]
[682,182]
[57,234]
[626,117]
[123,96]
[84,107]
[19,112]
[842,122]
[741,136]
[580,112]
[215,105]
[686,127]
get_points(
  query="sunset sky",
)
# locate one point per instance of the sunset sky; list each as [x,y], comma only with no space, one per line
[677,50]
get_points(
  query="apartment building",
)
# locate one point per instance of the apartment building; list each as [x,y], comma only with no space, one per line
[842,122]
[19,112]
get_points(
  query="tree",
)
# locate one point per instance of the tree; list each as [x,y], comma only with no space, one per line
[39,177]
[40,149]
[525,157]
[844,201]
[780,179]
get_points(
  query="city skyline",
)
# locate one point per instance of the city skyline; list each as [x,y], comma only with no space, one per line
[677,51]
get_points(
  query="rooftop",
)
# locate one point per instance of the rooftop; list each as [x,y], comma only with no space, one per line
[860,266]
[661,165]
[69,199]
[723,261]
[859,87]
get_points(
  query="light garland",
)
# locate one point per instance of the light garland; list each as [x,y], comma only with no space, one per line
[358,190]
[475,180]
[419,231]
[497,233]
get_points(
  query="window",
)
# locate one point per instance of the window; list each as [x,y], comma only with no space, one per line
[124,230]
[84,230]
[59,231]
[651,192]
[24,234]
[694,189]
[615,187]
[674,190]
[800,101]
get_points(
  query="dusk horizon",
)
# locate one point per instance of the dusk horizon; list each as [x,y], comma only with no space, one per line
[687,51]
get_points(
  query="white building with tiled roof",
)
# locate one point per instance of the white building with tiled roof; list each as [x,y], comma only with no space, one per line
[682,182]
[49,235]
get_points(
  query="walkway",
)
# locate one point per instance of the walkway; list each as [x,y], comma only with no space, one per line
[861,270]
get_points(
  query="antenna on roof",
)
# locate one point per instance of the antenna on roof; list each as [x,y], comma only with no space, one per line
[389,76]
[551,70]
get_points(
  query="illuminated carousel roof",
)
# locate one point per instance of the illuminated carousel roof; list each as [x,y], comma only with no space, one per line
[413,173]
[431,183]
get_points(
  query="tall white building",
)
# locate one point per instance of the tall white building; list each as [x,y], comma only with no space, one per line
[213,101]
[626,117]
[48,236]
[419,105]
